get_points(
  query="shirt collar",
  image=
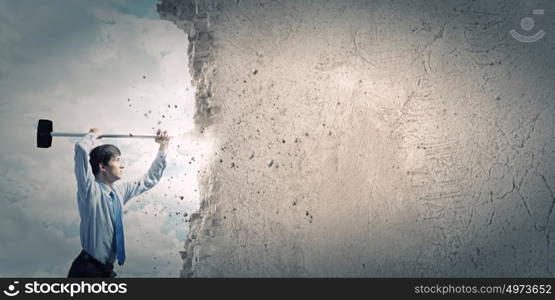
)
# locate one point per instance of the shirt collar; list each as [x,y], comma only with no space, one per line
[104,187]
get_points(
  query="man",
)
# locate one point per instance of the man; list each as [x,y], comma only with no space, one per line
[100,202]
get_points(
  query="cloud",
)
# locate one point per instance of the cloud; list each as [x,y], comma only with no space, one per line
[98,66]
[31,249]
[154,253]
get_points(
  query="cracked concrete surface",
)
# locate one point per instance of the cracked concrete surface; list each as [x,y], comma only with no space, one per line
[372,138]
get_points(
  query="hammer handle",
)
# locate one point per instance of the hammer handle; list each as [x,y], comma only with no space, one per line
[103,136]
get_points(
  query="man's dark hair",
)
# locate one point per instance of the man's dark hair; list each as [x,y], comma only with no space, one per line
[102,154]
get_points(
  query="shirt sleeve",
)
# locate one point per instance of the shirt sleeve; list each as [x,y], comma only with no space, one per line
[147,181]
[83,172]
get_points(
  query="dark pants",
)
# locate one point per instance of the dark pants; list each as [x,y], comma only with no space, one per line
[87,266]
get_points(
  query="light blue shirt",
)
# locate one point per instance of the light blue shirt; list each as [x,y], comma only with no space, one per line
[95,204]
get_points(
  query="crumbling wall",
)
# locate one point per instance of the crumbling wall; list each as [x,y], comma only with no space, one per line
[372,138]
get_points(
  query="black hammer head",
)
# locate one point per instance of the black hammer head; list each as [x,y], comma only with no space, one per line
[44,139]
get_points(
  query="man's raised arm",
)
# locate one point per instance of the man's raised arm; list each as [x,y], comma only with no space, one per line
[152,177]
[83,172]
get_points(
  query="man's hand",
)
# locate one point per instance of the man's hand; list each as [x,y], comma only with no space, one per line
[163,139]
[96,131]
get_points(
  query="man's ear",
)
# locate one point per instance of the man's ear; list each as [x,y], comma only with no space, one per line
[101,167]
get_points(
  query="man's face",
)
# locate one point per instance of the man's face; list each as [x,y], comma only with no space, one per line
[114,169]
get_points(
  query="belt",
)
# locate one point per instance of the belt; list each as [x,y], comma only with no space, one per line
[94,261]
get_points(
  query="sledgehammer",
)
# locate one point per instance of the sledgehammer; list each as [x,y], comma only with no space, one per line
[45,134]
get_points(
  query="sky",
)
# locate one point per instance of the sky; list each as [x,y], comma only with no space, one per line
[110,64]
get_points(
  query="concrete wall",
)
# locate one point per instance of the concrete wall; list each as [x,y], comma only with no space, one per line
[372,138]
